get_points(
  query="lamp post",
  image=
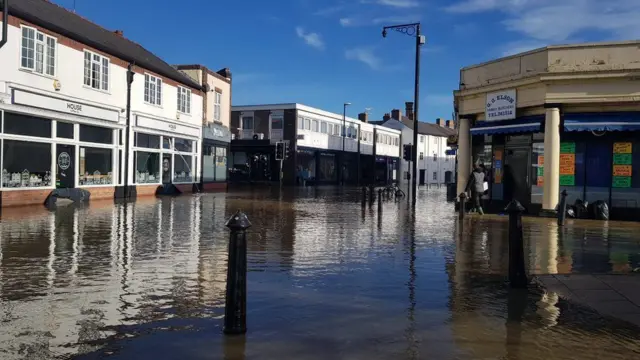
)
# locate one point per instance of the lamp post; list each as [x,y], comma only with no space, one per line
[412,30]
[344,136]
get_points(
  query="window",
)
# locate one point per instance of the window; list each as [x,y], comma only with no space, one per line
[147,141]
[38,52]
[323,127]
[184,100]
[183,145]
[208,163]
[435,157]
[314,125]
[300,122]
[182,168]
[276,122]
[96,71]
[421,155]
[26,125]
[330,129]
[247,123]
[307,124]
[64,130]
[421,138]
[221,164]
[95,167]
[217,102]
[152,90]
[26,164]
[96,134]
[147,167]
[435,175]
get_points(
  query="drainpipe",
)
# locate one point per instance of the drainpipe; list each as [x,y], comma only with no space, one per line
[130,74]
[5,23]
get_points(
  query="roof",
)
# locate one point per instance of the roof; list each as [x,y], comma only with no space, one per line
[58,19]
[424,128]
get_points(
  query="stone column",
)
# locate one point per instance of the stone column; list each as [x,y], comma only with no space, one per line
[464,153]
[551,188]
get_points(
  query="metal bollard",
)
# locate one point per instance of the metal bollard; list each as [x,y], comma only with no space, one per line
[235,309]
[517,274]
[372,195]
[562,208]
[462,207]
[379,200]
[364,196]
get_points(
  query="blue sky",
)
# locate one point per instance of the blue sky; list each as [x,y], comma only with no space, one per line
[323,53]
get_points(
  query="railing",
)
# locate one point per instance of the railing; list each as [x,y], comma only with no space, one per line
[276,135]
[244,134]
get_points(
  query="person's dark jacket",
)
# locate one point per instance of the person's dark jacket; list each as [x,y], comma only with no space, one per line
[476,181]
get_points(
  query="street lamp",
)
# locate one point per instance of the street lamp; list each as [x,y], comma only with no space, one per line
[412,30]
[344,123]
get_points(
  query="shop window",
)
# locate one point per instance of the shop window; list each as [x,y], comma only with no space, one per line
[120,161]
[64,130]
[537,172]
[147,141]
[221,164]
[182,171]
[598,171]
[327,167]
[166,143]
[306,166]
[572,179]
[26,164]
[208,164]
[183,145]
[96,134]
[95,166]
[147,167]
[26,125]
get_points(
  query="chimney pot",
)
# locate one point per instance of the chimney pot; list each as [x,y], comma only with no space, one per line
[451,124]
[364,117]
[396,114]
[119,33]
[440,121]
[386,117]
[408,107]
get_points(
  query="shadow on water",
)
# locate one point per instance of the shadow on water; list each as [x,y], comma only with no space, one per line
[327,278]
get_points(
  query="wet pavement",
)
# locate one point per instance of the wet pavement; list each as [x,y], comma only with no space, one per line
[327,279]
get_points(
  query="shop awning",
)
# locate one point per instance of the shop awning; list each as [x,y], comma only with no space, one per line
[520,125]
[619,121]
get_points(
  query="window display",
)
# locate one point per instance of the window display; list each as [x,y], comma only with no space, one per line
[95,166]
[182,168]
[221,164]
[147,167]
[96,134]
[26,164]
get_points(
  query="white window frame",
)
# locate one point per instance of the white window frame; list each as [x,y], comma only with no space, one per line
[217,104]
[184,100]
[104,68]
[48,60]
[155,98]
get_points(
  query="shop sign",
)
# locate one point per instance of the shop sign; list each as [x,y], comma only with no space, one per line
[153,124]
[501,105]
[622,164]
[567,164]
[27,98]
[216,132]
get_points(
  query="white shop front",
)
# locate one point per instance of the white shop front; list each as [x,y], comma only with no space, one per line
[52,141]
[164,151]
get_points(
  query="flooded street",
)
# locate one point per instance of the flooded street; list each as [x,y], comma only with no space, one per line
[327,279]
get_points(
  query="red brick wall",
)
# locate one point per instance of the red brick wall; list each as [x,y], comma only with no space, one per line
[185,188]
[99,193]
[215,187]
[146,190]
[24,197]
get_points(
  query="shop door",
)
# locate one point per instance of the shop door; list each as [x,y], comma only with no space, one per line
[423,174]
[65,169]
[520,163]
[166,168]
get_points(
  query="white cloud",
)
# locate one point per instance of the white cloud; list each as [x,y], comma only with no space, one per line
[329,10]
[553,21]
[365,55]
[312,39]
[366,21]
[346,22]
[396,3]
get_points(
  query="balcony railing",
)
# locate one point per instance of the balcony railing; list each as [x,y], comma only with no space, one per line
[276,135]
[245,134]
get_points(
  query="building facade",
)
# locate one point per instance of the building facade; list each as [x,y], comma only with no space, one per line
[553,119]
[436,165]
[324,147]
[63,106]
[216,136]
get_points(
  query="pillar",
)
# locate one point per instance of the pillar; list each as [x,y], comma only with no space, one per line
[551,187]
[464,153]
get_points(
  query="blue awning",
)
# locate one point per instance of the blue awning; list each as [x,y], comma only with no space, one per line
[618,121]
[519,125]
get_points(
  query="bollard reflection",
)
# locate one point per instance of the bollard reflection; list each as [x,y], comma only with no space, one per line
[516,307]
[234,347]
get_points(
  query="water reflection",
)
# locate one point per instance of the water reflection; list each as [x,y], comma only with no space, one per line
[327,277]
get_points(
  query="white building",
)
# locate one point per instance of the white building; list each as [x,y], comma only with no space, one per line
[327,148]
[435,166]
[63,101]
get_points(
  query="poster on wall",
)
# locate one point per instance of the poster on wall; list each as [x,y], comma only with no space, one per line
[540,171]
[568,164]
[497,166]
[622,164]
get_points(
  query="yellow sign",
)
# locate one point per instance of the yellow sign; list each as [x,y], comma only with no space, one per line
[567,169]
[622,148]
[622,170]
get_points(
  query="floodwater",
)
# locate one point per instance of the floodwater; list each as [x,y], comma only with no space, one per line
[327,279]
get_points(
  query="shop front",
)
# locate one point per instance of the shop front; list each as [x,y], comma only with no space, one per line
[51,142]
[386,170]
[215,147]
[164,152]
[317,167]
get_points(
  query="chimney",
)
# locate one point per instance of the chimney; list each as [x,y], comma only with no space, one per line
[451,124]
[119,33]
[364,117]
[396,114]
[408,109]
[386,117]
[440,122]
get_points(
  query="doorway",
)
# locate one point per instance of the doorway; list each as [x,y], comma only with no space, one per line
[65,168]
[519,160]
[423,174]
[166,168]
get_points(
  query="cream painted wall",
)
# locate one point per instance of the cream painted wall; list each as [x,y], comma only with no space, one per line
[225,106]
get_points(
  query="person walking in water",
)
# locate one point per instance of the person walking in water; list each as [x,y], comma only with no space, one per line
[475,184]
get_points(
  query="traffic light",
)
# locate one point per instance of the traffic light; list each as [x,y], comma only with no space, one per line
[279,151]
[407,152]
[287,150]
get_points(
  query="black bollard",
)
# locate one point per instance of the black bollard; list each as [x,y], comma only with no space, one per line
[372,195]
[235,309]
[379,200]
[562,208]
[364,196]
[517,275]
[462,207]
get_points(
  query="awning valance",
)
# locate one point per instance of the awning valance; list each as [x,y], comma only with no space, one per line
[618,121]
[519,125]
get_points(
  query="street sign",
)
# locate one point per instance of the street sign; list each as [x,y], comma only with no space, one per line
[451,151]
